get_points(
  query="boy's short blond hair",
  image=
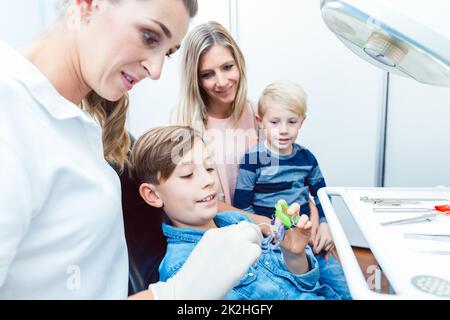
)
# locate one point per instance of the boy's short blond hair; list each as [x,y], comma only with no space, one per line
[283,94]
[157,152]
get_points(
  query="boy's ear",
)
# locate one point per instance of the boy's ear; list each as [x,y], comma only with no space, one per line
[303,120]
[86,8]
[259,121]
[149,194]
[87,4]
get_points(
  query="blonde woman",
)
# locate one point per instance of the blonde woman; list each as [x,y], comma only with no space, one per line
[65,103]
[213,99]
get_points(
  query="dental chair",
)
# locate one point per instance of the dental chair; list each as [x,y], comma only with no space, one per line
[143,232]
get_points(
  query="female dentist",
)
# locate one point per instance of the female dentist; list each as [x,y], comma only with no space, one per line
[62,117]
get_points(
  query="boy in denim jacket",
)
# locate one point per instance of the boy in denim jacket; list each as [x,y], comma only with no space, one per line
[174,171]
[278,168]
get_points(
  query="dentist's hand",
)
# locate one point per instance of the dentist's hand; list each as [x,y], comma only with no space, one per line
[215,266]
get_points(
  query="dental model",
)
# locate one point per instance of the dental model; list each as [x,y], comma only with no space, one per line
[281,222]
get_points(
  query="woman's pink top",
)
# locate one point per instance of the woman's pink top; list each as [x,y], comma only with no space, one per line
[228,142]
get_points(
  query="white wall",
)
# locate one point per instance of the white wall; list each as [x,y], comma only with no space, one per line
[21,21]
[418,134]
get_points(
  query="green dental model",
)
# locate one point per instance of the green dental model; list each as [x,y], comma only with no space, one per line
[281,208]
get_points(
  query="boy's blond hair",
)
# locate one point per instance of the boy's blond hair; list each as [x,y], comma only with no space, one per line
[283,94]
[157,152]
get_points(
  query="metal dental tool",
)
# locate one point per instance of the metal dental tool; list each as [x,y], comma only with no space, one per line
[412,210]
[437,252]
[438,210]
[432,237]
[398,201]
[444,209]
[419,219]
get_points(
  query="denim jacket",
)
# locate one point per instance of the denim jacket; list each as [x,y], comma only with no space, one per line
[267,279]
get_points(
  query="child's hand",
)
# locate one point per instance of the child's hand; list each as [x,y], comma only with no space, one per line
[314,217]
[324,240]
[296,239]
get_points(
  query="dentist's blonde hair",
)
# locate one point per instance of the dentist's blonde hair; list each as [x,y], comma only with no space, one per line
[112,115]
[191,108]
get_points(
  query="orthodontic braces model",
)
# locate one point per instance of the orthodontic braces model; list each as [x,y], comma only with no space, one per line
[280,222]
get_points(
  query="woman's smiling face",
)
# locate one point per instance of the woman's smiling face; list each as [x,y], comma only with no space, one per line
[219,75]
[127,41]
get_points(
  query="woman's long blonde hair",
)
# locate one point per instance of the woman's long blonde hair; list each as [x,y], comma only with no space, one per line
[191,108]
[112,115]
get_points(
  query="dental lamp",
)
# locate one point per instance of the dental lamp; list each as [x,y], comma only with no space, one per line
[404,37]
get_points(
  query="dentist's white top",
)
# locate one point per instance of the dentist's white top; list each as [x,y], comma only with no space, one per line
[61,224]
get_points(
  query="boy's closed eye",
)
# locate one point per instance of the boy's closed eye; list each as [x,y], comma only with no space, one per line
[190,174]
[187,175]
